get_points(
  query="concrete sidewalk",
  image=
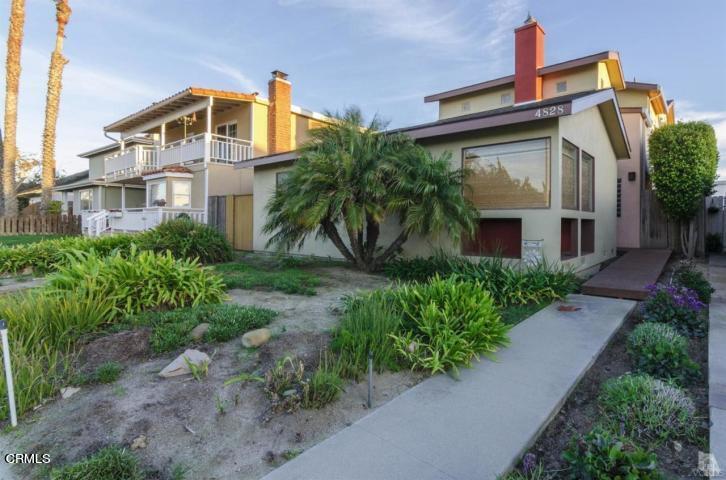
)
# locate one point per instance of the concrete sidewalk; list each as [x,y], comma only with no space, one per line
[717,359]
[478,427]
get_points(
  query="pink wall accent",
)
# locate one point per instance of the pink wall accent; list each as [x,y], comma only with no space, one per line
[629,221]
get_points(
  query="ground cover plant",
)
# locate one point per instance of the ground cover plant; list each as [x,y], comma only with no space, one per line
[688,276]
[602,455]
[107,372]
[110,463]
[508,285]
[12,240]
[171,330]
[140,280]
[659,350]
[246,275]
[646,408]
[677,306]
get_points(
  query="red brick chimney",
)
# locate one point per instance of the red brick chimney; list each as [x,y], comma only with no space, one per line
[278,116]
[528,58]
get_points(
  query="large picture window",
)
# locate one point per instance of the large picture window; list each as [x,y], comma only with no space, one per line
[587,189]
[508,175]
[570,155]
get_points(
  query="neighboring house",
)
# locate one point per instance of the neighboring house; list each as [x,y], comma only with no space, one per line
[546,146]
[32,191]
[719,188]
[177,156]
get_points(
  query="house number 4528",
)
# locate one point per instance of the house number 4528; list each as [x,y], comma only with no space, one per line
[550,111]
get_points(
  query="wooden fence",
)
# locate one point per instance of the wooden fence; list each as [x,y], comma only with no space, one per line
[41,224]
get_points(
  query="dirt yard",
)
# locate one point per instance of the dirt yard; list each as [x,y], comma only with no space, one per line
[215,432]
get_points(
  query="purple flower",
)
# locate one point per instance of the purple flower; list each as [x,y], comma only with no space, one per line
[529,463]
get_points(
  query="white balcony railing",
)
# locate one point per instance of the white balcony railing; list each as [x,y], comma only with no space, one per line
[131,162]
[137,160]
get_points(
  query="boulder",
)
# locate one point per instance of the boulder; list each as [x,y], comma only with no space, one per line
[199,331]
[68,392]
[179,365]
[139,442]
[256,338]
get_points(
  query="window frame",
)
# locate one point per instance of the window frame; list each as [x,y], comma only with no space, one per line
[284,173]
[577,176]
[548,171]
[174,183]
[89,191]
[158,184]
[564,84]
[508,97]
[583,152]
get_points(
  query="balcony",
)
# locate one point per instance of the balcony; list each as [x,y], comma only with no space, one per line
[206,147]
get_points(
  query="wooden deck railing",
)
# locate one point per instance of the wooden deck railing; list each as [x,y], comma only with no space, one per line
[41,224]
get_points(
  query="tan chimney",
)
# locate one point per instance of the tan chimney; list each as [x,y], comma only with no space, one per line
[528,58]
[278,114]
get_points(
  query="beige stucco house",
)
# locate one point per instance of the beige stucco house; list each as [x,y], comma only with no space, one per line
[545,145]
[178,156]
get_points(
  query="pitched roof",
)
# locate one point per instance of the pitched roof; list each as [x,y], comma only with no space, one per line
[607,55]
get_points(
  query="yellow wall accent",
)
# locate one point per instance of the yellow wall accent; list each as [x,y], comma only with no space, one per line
[578,80]
[477,102]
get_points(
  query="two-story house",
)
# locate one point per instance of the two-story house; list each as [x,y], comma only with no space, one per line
[176,155]
[546,146]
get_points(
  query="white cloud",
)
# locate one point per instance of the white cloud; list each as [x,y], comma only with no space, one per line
[231,71]
[433,22]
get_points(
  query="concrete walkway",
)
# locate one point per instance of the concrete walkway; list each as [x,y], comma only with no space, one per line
[478,427]
[717,359]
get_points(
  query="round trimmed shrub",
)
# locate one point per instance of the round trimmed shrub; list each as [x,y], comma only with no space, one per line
[187,239]
[647,408]
[600,455]
[659,350]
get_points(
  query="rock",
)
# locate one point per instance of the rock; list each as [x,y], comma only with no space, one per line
[255,338]
[677,446]
[27,271]
[139,442]
[180,367]
[68,392]
[199,331]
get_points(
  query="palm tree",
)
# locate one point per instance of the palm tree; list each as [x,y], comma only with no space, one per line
[52,102]
[12,84]
[354,178]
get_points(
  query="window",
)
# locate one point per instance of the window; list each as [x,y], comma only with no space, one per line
[587,182]
[587,243]
[568,238]
[157,194]
[506,98]
[495,236]
[561,87]
[508,175]
[570,154]
[619,204]
[86,198]
[281,178]
[465,107]
[181,193]
[227,130]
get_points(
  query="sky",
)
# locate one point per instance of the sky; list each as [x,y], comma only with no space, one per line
[381,55]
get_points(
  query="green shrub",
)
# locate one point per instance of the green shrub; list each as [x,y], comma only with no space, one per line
[647,408]
[600,455]
[677,306]
[287,280]
[659,350]
[324,386]
[111,463]
[688,276]
[187,239]
[367,325]
[139,281]
[508,285]
[172,329]
[446,323]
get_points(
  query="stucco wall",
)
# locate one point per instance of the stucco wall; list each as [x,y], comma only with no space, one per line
[578,80]
[477,102]
[226,180]
[96,167]
[628,224]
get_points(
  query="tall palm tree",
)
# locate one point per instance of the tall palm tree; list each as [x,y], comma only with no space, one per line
[52,102]
[12,84]
[354,178]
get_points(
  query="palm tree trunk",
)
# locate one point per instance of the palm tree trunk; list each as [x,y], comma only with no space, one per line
[52,102]
[12,85]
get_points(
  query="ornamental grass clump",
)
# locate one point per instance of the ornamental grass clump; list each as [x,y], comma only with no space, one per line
[659,350]
[447,323]
[647,409]
[677,306]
